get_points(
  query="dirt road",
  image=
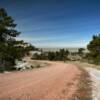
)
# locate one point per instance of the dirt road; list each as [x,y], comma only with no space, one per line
[56,82]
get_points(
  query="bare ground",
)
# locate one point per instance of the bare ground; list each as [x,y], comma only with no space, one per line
[94,72]
[56,82]
[95,76]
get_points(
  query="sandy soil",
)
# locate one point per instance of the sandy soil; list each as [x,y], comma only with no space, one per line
[95,76]
[56,82]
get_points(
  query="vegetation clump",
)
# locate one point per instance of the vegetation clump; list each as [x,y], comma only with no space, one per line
[10,48]
[61,55]
[94,50]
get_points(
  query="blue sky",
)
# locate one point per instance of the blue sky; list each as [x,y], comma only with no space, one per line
[55,23]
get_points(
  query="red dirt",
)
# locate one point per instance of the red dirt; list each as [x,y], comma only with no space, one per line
[56,82]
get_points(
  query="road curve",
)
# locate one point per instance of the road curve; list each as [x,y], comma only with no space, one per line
[56,82]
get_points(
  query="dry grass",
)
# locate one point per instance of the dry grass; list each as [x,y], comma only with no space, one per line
[84,91]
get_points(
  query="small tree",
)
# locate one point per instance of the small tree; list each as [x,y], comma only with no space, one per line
[80,51]
[94,49]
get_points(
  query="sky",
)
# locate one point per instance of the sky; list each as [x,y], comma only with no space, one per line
[55,23]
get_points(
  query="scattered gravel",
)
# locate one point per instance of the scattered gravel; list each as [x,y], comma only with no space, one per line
[95,76]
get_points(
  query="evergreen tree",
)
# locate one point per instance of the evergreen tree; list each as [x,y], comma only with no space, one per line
[80,51]
[94,49]
[7,38]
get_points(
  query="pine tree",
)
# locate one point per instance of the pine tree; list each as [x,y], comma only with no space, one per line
[94,49]
[7,38]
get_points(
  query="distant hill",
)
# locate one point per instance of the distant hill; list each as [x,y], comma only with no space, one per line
[57,49]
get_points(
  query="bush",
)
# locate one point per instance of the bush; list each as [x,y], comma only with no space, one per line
[94,49]
[61,55]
